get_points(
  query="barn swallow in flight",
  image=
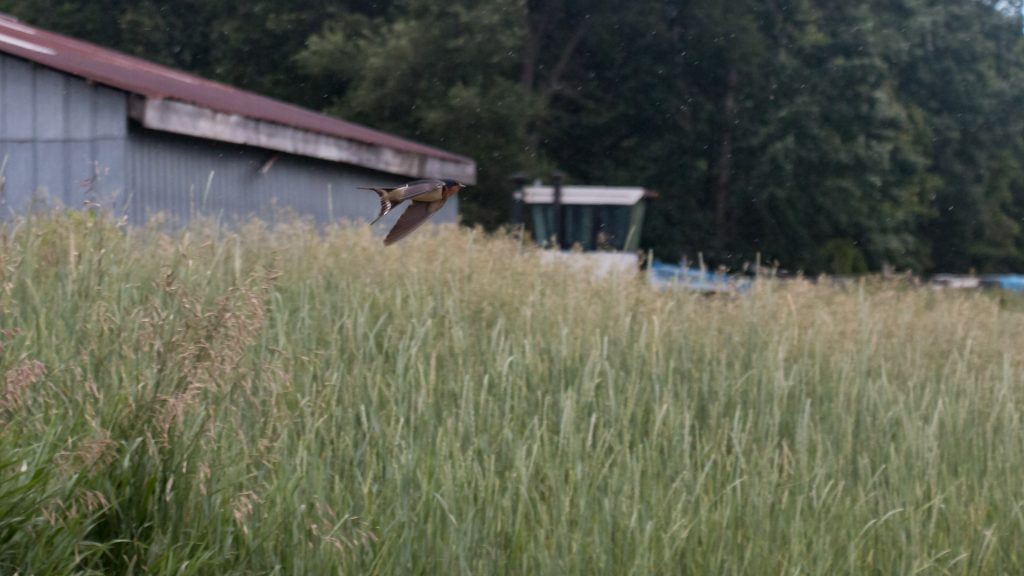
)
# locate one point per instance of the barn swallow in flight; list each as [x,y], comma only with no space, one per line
[427,196]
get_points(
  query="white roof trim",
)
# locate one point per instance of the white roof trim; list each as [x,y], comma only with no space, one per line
[181,118]
[585,195]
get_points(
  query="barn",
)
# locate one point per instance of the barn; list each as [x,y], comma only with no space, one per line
[84,125]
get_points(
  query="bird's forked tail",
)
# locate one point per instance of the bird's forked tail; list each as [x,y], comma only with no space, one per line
[385,204]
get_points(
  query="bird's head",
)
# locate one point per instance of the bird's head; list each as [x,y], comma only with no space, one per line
[453,183]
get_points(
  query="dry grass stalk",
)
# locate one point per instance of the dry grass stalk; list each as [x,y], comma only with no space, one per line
[17,381]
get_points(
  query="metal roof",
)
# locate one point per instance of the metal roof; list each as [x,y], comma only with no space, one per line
[586,195]
[154,81]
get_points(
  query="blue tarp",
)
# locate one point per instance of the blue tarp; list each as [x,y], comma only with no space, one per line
[696,279]
[666,275]
[1008,282]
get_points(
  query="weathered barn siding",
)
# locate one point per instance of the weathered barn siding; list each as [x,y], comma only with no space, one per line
[70,141]
[170,174]
[63,139]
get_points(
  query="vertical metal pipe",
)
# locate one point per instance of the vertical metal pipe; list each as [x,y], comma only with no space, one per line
[560,234]
[518,183]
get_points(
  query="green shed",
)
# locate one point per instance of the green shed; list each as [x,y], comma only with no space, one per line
[596,217]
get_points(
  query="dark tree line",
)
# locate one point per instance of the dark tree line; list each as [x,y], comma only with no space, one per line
[824,134]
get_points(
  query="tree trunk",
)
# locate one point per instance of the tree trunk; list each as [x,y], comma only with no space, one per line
[542,20]
[536,26]
[723,232]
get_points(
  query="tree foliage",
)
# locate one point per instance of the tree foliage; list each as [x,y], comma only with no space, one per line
[822,134]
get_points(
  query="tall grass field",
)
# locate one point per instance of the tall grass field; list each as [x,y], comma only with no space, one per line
[287,400]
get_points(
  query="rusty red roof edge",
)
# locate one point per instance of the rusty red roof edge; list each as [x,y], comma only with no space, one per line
[138,76]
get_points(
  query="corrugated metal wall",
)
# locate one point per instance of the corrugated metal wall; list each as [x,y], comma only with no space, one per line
[62,139]
[180,175]
[71,141]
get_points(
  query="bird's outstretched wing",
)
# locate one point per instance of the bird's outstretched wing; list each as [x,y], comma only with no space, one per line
[414,216]
[419,188]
